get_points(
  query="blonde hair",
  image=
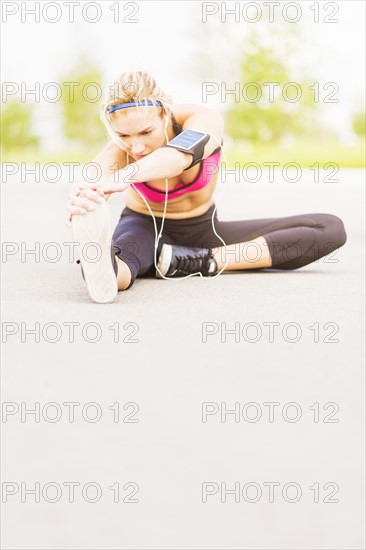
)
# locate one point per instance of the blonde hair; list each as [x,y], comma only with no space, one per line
[131,87]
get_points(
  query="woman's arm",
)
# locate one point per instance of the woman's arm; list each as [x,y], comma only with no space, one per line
[161,163]
[166,162]
[110,160]
[202,119]
[81,199]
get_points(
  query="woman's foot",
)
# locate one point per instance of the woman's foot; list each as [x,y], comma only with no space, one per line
[93,233]
[180,261]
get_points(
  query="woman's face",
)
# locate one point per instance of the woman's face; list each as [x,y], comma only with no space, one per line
[140,130]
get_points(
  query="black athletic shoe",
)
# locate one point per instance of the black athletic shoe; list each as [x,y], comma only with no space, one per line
[179,261]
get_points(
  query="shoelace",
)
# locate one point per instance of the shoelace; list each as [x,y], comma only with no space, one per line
[188,263]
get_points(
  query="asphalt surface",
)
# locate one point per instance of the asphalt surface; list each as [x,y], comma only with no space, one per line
[156,365]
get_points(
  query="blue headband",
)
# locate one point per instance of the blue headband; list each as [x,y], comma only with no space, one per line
[135,104]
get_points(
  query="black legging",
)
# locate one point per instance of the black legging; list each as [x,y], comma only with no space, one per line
[293,241]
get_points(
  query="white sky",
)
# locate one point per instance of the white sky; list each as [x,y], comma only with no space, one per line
[170,37]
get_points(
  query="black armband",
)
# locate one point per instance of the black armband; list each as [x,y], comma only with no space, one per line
[190,142]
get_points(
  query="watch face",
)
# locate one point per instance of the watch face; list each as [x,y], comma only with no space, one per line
[187,139]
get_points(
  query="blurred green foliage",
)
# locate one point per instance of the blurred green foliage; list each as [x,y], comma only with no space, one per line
[16,127]
[270,119]
[359,124]
[305,153]
[80,105]
[261,130]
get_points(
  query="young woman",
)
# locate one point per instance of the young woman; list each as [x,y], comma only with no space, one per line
[177,188]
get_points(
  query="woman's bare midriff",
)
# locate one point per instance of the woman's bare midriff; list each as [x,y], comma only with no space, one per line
[189,205]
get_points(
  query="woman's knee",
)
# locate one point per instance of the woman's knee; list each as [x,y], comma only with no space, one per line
[136,251]
[335,231]
[127,244]
[297,247]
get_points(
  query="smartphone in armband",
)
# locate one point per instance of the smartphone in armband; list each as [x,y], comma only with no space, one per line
[190,141]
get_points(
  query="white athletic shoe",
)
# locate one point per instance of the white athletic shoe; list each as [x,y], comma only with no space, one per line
[100,275]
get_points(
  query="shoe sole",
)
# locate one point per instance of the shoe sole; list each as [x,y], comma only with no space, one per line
[95,227]
[164,261]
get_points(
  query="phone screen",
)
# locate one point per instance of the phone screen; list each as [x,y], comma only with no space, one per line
[187,139]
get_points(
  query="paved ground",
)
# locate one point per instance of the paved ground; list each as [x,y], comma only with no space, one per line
[162,374]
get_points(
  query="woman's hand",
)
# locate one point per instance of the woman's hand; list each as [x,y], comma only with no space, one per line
[80,201]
